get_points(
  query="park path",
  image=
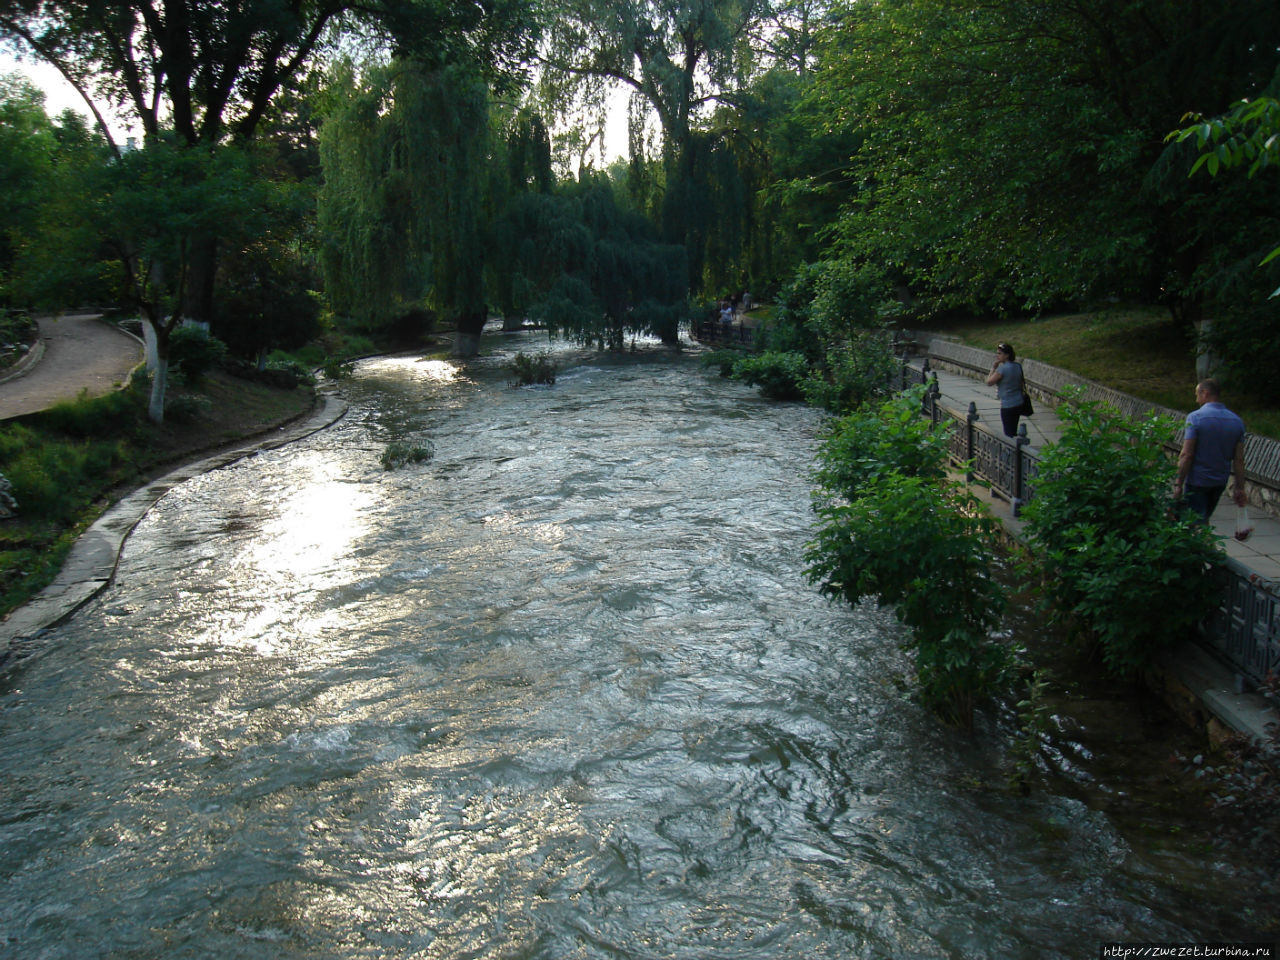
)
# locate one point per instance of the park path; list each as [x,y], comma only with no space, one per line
[1260,553]
[75,353]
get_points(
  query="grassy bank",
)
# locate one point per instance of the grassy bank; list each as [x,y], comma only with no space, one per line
[1140,351]
[68,464]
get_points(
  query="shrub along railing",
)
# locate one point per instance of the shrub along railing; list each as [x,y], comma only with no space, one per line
[1244,630]
[1045,382]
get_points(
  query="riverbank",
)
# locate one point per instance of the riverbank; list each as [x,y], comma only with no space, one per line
[69,465]
[90,564]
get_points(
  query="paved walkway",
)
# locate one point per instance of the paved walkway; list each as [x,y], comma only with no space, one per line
[1260,553]
[74,354]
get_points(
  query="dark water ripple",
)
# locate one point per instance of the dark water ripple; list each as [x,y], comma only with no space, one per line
[560,692]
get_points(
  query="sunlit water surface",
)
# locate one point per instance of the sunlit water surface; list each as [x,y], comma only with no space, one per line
[561,692]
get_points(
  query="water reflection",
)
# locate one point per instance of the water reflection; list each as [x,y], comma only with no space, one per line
[561,691]
[414,368]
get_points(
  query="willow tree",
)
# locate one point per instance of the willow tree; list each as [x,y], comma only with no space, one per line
[523,180]
[678,57]
[403,211]
[592,270]
[374,245]
[206,73]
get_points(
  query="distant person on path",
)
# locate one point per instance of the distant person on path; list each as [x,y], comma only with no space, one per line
[1006,377]
[1212,446]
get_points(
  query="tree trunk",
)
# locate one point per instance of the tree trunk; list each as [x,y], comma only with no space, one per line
[1207,362]
[160,375]
[149,344]
[198,296]
[467,341]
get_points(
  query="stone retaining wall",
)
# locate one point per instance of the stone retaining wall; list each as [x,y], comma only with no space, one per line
[1045,383]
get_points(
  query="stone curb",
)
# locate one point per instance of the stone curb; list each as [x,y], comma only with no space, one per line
[91,564]
[23,366]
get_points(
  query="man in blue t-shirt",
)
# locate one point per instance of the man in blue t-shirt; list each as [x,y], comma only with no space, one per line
[1212,446]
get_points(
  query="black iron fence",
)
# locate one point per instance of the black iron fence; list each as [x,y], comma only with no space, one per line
[1244,630]
[712,330]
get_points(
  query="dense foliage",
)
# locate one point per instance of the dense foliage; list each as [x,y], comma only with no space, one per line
[893,528]
[897,157]
[1115,554]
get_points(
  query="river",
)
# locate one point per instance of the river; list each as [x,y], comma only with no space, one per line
[562,691]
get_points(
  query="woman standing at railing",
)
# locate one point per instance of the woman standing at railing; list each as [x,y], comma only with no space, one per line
[1006,377]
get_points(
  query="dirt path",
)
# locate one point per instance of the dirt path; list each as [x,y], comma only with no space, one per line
[81,353]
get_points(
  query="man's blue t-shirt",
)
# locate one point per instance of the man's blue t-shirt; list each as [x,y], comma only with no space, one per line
[1216,431]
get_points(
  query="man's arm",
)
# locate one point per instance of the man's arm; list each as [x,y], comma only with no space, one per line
[1186,456]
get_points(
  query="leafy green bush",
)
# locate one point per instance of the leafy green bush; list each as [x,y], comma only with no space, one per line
[723,360]
[283,363]
[185,407]
[336,369]
[924,546]
[790,330]
[778,375]
[1136,573]
[538,368]
[851,297]
[892,527]
[889,438]
[193,353]
[52,479]
[110,416]
[17,333]
[853,371]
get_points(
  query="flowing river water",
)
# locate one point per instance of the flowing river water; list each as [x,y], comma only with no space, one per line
[560,692]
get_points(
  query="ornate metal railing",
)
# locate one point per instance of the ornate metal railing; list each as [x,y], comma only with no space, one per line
[713,331]
[1244,630]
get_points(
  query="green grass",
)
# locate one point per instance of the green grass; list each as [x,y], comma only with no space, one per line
[67,464]
[1139,351]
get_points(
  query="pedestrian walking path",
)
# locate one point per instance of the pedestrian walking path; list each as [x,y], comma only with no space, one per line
[1260,553]
[1207,679]
[74,354]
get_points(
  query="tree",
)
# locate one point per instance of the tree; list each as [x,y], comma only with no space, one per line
[1242,222]
[158,203]
[403,210]
[678,57]
[207,73]
[266,301]
[591,270]
[1008,145]
[1248,133]
[374,248]
[27,147]
[50,174]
